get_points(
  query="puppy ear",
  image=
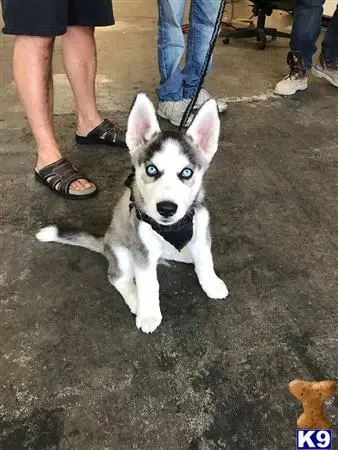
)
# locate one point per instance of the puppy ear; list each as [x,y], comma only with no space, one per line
[142,123]
[205,128]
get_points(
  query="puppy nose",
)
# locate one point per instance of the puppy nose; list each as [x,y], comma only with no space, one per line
[166,209]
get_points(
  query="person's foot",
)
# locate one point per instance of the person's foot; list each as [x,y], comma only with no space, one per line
[204,95]
[105,133]
[327,69]
[297,78]
[173,111]
[86,125]
[52,154]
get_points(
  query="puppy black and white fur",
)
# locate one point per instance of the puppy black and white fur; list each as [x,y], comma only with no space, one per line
[167,189]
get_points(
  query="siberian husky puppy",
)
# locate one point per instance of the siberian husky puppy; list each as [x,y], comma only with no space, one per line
[161,214]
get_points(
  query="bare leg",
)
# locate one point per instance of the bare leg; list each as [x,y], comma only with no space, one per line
[32,63]
[79,57]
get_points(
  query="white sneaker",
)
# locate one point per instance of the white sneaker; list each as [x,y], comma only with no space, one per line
[204,95]
[327,70]
[173,111]
[297,78]
[290,85]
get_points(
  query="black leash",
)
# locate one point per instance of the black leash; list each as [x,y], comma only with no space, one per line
[207,59]
[180,233]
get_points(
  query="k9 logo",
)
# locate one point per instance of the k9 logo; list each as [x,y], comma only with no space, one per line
[314,439]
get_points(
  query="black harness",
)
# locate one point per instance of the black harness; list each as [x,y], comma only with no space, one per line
[178,234]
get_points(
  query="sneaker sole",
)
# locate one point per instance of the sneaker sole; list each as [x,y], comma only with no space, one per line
[287,94]
[223,110]
[220,110]
[319,74]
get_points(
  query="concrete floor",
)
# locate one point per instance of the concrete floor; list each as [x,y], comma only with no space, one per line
[75,373]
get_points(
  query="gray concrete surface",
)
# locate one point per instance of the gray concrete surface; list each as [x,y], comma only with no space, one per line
[74,372]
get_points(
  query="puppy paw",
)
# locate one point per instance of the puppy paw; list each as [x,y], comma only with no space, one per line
[131,301]
[148,324]
[215,288]
[128,292]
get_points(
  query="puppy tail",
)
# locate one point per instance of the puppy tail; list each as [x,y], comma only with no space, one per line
[70,236]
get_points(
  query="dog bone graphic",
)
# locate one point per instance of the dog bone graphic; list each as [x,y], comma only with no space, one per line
[313,395]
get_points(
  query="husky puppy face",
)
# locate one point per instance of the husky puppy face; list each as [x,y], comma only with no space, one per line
[168,177]
[169,165]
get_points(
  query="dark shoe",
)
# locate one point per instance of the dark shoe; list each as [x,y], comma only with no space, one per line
[297,78]
[59,175]
[327,69]
[106,133]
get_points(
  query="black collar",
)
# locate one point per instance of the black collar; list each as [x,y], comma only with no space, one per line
[178,234]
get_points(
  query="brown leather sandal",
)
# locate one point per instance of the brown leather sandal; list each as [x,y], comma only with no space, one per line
[59,175]
[105,134]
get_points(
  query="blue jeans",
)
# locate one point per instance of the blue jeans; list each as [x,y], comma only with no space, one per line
[306,29]
[177,84]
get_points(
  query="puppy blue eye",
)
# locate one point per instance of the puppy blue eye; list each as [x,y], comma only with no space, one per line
[186,173]
[151,171]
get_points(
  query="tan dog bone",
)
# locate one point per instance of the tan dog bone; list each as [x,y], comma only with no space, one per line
[313,395]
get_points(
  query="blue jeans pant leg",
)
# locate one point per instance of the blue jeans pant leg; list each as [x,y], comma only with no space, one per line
[306,28]
[171,47]
[330,42]
[203,14]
